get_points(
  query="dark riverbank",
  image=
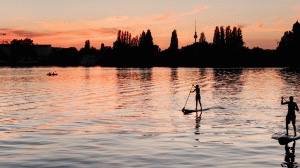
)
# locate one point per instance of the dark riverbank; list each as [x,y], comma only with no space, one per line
[195,55]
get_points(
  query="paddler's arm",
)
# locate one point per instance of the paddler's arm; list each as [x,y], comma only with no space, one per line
[282,103]
[193,90]
[297,109]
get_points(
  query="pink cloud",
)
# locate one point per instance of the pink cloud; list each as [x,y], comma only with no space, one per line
[161,21]
[242,26]
[196,10]
[111,25]
[259,25]
[22,33]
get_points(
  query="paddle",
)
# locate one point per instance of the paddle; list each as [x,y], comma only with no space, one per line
[187,98]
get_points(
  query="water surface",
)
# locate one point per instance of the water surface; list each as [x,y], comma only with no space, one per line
[131,117]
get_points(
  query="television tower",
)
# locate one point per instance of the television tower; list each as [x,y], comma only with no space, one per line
[195,36]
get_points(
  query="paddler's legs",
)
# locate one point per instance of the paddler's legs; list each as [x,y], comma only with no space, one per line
[196,102]
[200,103]
[287,121]
[198,99]
[294,125]
[287,129]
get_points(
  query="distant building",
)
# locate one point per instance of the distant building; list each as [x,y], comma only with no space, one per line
[6,49]
[88,60]
[41,50]
[56,49]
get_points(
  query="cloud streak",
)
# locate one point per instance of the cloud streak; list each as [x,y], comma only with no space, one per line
[259,25]
[196,10]
[26,33]
[106,31]
[241,26]
[110,26]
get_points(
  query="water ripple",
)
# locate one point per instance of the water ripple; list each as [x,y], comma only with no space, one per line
[131,117]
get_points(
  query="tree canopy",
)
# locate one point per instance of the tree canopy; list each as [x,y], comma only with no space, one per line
[26,41]
[174,41]
[231,38]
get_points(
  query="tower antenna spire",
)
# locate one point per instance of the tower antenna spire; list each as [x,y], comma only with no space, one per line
[195,24]
[195,36]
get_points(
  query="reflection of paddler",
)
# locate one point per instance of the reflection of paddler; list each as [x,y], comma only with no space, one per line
[198,119]
[291,116]
[289,156]
[198,97]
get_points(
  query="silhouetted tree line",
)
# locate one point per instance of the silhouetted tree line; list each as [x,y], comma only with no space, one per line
[132,51]
[22,51]
[21,42]
[226,50]
[170,56]
[228,47]
[229,39]
[289,46]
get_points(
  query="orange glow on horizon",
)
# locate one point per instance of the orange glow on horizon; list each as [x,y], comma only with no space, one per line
[73,32]
[161,37]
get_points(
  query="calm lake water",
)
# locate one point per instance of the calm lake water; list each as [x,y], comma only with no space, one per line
[116,117]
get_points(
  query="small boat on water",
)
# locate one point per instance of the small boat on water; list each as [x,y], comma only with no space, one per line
[51,74]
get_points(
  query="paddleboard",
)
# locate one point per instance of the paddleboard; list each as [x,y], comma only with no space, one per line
[185,111]
[285,139]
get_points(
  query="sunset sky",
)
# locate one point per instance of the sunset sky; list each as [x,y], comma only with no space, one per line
[68,23]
